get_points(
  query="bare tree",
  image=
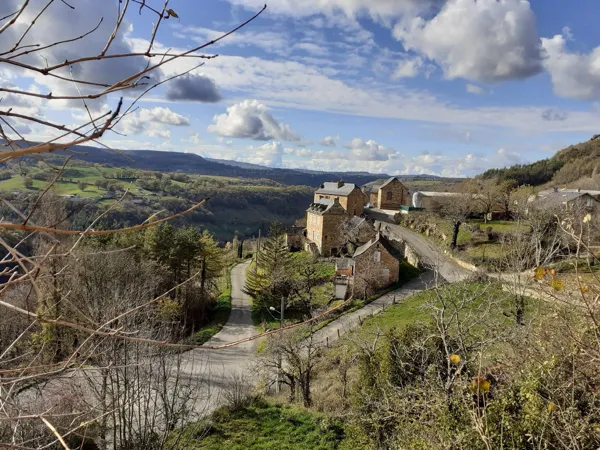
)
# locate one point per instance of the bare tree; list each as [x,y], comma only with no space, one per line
[293,354]
[116,339]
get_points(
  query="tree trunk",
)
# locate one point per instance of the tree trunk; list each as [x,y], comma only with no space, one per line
[455,235]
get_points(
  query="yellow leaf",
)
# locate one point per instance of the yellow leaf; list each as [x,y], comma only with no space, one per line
[585,289]
[172,13]
[551,406]
[587,218]
[455,359]
[540,273]
[480,384]
[557,285]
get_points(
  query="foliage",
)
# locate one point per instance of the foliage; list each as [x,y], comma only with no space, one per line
[265,426]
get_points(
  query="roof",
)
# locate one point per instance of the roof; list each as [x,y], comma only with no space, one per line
[440,194]
[559,198]
[354,222]
[379,239]
[324,205]
[582,191]
[374,186]
[336,188]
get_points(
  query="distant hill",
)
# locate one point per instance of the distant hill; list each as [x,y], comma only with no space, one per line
[568,166]
[162,161]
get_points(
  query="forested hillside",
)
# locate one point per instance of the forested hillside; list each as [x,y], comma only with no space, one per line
[570,165]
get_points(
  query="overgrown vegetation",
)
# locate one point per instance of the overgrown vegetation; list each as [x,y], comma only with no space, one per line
[574,164]
[263,425]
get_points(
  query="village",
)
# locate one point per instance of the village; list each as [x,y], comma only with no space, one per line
[350,225]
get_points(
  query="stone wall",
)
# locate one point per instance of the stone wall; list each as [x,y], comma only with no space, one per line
[411,256]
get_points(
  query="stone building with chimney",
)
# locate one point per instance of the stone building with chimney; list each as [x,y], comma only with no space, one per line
[350,197]
[389,194]
[325,219]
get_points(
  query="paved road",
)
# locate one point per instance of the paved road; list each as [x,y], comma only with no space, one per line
[351,321]
[431,256]
[215,368]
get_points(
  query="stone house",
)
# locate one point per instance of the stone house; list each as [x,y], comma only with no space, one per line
[294,238]
[388,194]
[376,265]
[349,196]
[571,203]
[357,231]
[324,221]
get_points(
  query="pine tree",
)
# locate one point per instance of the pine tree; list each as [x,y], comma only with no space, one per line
[270,278]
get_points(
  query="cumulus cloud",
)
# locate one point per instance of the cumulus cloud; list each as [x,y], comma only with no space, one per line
[574,75]
[474,89]
[152,122]
[195,88]
[269,154]
[162,115]
[251,120]
[328,141]
[484,40]
[370,151]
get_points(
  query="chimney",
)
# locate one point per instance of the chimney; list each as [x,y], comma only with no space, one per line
[340,183]
[579,190]
[555,189]
[336,201]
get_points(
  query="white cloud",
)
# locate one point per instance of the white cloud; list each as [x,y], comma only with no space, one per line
[328,141]
[474,89]
[370,151]
[267,40]
[484,40]
[574,75]
[410,68]
[311,48]
[195,139]
[152,122]
[377,9]
[269,154]
[251,120]
[163,115]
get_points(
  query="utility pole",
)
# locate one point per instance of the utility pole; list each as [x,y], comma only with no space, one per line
[280,359]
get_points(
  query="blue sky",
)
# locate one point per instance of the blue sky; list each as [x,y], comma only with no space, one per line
[446,87]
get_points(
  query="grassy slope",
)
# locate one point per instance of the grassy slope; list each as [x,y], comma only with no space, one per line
[264,426]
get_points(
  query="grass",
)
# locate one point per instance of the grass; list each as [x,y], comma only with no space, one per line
[264,426]
[220,315]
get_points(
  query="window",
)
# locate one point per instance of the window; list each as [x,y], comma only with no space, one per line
[377,256]
[314,236]
[590,202]
[389,195]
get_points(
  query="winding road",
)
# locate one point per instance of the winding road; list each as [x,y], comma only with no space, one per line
[218,370]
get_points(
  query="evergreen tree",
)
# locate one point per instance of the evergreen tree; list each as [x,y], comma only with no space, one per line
[270,278]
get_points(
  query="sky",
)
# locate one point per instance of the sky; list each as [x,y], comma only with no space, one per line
[441,87]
